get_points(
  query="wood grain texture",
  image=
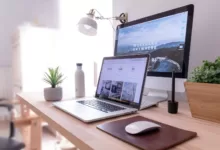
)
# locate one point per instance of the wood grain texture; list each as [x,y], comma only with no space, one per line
[87,137]
[36,134]
[204,100]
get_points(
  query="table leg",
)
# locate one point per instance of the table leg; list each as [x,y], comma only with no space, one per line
[25,130]
[36,134]
[25,112]
[33,132]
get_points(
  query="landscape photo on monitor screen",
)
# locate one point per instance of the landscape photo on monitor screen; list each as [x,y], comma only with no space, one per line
[163,39]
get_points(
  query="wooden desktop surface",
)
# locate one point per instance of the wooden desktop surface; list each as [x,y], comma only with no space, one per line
[86,136]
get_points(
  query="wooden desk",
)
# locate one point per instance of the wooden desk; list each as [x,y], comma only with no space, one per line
[86,136]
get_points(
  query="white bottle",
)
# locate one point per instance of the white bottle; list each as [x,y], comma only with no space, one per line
[79,81]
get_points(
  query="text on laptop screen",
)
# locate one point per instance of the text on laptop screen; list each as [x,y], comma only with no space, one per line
[122,79]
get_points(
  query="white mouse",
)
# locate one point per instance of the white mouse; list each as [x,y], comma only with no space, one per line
[141,126]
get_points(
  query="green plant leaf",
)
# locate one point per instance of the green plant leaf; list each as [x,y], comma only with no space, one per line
[53,77]
[208,72]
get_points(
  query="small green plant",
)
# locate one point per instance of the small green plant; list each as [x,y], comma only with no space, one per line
[209,72]
[53,77]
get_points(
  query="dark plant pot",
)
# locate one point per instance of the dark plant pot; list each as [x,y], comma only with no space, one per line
[53,94]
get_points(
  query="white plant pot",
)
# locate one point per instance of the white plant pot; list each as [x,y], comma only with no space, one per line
[53,94]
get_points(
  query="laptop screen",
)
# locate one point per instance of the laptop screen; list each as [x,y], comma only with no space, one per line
[122,80]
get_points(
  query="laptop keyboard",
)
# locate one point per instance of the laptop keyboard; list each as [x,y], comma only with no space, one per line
[102,106]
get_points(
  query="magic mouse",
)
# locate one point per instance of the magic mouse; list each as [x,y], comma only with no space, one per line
[141,127]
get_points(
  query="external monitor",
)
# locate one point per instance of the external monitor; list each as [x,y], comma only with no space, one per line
[166,37]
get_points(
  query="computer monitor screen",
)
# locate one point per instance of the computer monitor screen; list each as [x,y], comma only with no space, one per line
[164,38]
[122,80]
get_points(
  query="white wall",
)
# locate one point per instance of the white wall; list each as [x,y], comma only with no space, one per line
[15,12]
[206,28]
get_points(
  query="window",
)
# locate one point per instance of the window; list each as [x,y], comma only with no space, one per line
[42,47]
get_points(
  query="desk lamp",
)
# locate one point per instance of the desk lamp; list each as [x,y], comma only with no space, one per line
[88,25]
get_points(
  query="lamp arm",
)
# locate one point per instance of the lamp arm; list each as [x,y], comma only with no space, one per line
[123,18]
[101,17]
[105,18]
[110,18]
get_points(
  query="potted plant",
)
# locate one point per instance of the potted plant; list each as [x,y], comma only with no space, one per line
[54,78]
[203,91]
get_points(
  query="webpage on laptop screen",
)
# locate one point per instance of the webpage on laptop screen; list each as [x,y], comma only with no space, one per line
[122,79]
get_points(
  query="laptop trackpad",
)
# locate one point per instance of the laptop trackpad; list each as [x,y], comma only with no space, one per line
[79,110]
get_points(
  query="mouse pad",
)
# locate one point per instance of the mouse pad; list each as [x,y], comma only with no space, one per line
[164,138]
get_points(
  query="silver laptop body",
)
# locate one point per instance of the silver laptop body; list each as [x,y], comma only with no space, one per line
[119,90]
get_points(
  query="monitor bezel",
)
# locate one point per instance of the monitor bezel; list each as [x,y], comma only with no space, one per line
[132,105]
[185,66]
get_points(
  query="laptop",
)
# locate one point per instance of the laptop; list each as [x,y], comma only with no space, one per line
[119,90]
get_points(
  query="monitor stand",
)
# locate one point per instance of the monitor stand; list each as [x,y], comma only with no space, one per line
[158,93]
[152,97]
